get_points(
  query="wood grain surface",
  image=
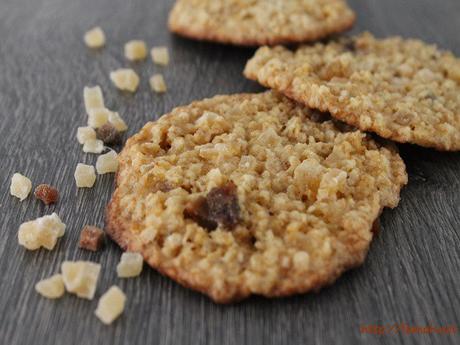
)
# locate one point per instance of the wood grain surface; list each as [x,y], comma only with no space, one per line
[410,276]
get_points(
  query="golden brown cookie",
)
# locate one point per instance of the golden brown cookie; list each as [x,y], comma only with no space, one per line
[259,22]
[404,90]
[251,194]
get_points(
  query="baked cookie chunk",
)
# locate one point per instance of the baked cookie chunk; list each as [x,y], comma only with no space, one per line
[404,90]
[251,194]
[259,22]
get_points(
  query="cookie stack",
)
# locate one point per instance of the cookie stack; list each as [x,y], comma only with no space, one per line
[279,192]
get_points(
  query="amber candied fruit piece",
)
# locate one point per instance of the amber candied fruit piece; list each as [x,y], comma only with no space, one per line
[46,193]
[92,238]
[219,207]
[109,134]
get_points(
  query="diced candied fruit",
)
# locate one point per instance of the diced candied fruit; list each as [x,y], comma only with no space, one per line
[46,193]
[135,50]
[95,38]
[157,83]
[80,277]
[98,117]
[92,238]
[107,163]
[93,98]
[20,186]
[85,175]
[111,305]
[125,79]
[93,146]
[160,55]
[52,287]
[130,265]
[85,133]
[109,134]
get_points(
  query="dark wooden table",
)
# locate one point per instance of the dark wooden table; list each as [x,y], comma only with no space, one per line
[411,275]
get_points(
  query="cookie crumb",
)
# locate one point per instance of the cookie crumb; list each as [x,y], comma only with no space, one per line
[93,146]
[116,120]
[85,175]
[93,98]
[160,55]
[98,117]
[125,79]
[52,287]
[20,186]
[109,134]
[107,163]
[85,133]
[157,83]
[220,206]
[80,277]
[95,38]
[91,238]
[130,265]
[111,305]
[135,50]
[46,193]
[41,232]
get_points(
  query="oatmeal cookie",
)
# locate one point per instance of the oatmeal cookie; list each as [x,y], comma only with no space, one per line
[259,22]
[251,194]
[404,90]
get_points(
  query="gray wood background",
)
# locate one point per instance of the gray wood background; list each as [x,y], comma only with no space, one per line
[412,272]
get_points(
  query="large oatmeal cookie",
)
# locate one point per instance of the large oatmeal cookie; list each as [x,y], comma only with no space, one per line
[404,90]
[251,194]
[259,22]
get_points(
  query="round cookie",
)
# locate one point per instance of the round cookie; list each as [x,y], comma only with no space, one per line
[259,22]
[251,194]
[404,90]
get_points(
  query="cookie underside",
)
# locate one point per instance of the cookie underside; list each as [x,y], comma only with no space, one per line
[307,194]
[258,22]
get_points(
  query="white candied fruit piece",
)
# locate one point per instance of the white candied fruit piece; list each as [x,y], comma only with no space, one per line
[93,146]
[95,38]
[41,232]
[85,175]
[107,163]
[85,133]
[93,98]
[52,287]
[160,55]
[80,277]
[98,117]
[135,50]
[157,83]
[117,122]
[130,265]
[125,79]
[110,305]
[20,186]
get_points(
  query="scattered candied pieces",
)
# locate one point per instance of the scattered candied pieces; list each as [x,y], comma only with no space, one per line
[20,186]
[160,55]
[52,287]
[85,133]
[46,193]
[109,134]
[85,175]
[130,265]
[98,117]
[110,305]
[135,50]
[41,232]
[93,146]
[157,83]
[125,79]
[95,38]
[80,277]
[92,238]
[93,98]
[116,120]
[107,163]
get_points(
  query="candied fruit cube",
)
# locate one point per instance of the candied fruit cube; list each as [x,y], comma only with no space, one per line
[92,238]
[157,83]
[135,50]
[46,193]
[93,98]
[80,277]
[20,186]
[95,38]
[85,175]
[111,305]
[93,146]
[52,287]
[125,79]
[85,133]
[41,232]
[109,134]
[160,55]
[116,120]
[130,265]
[98,117]
[107,163]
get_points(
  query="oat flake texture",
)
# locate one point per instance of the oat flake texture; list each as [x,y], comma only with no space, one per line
[259,22]
[303,194]
[404,90]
